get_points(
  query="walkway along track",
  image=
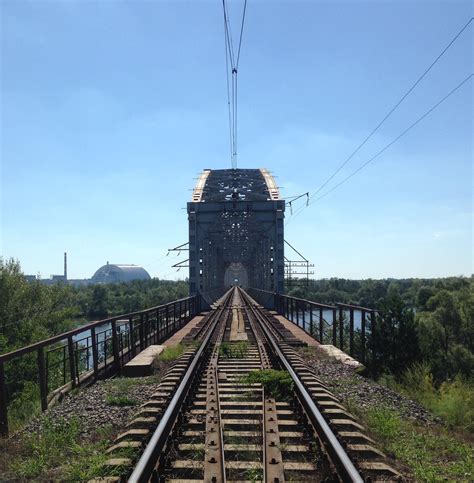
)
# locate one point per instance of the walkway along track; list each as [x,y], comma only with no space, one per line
[210,423]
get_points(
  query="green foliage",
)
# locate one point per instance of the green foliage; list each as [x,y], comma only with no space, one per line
[452,401]
[277,384]
[172,353]
[393,343]
[47,448]
[33,311]
[254,475]
[118,392]
[57,453]
[98,305]
[233,350]
[430,453]
[24,406]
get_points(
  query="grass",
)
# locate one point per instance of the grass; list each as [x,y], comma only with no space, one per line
[118,390]
[24,406]
[233,350]
[453,401]
[254,474]
[58,453]
[170,354]
[277,384]
[430,452]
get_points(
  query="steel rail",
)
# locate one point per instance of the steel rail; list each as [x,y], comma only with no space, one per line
[339,457]
[146,464]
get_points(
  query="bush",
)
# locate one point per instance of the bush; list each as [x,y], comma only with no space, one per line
[453,401]
[277,384]
[233,350]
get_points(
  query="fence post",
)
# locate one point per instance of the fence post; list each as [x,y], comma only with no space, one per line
[341,328]
[174,315]
[311,320]
[166,318]
[362,330]
[147,329]
[72,361]
[351,332]
[131,336]
[3,402]
[373,322]
[303,313]
[321,325]
[95,353]
[140,332]
[334,327]
[43,385]
[115,347]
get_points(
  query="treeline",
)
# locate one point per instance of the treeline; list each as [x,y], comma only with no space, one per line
[421,321]
[414,292]
[32,311]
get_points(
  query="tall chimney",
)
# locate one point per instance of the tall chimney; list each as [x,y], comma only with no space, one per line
[65,266]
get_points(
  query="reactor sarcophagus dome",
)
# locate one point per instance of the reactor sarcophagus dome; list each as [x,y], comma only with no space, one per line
[236,231]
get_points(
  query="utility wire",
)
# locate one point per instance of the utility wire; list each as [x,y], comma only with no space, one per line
[232,90]
[394,108]
[409,128]
[241,32]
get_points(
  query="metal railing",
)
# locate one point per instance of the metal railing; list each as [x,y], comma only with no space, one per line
[342,325]
[93,351]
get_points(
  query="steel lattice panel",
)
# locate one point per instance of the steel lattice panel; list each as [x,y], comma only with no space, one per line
[236,231]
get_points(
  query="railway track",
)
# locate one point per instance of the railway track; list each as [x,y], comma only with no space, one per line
[240,405]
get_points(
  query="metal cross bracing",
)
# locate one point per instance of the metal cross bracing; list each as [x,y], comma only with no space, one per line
[236,232]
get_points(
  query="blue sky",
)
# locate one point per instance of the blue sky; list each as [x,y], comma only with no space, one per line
[110,109]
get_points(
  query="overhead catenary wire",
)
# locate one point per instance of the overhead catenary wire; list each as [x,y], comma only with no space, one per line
[385,118]
[405,131]
[232,85]
[395,107]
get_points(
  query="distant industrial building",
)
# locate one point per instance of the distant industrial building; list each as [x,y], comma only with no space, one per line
[112,273]
[109,273]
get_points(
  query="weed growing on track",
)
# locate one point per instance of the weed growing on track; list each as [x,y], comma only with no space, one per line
[277,384]
[170,354]
[233,350]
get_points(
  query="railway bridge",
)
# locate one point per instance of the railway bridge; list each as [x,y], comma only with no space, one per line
[214,418]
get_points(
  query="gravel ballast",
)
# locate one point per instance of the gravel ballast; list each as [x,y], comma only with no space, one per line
[91,405]
[344,381]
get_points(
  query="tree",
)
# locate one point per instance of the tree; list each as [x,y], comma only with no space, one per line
[393,342]
[98,306]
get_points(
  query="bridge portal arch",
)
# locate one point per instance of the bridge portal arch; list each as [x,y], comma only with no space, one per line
[236,231]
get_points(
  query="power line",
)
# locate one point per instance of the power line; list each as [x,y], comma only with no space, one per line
[232,86]
[409,128]
[394,108]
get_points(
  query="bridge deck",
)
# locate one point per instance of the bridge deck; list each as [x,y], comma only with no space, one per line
[296,331]
[178,337]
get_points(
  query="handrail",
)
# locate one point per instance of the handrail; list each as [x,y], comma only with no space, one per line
[341,330]
[37,345]
[106,355]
